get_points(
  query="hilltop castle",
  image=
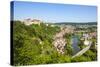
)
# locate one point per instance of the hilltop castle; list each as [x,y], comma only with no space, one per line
[31,21]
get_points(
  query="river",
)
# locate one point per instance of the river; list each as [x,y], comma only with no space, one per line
[75,44]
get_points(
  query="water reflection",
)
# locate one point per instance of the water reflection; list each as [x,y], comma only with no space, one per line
[75,44]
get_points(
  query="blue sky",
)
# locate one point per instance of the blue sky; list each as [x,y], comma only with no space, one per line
[54,12]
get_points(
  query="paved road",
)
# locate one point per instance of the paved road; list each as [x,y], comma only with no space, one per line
[82,51]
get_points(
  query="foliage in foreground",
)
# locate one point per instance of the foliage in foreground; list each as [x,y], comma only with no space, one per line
[33,45]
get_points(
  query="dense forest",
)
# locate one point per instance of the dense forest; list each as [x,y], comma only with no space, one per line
[77,23]
[32,44]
